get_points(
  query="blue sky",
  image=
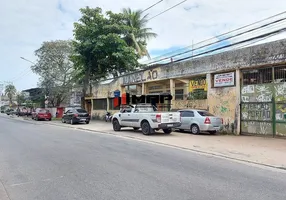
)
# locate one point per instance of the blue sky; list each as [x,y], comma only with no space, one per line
[26,24]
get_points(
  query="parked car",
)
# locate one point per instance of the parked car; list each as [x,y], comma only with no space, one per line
[146,117]
[41,114]
[199,121]
[10,111]
[76,115]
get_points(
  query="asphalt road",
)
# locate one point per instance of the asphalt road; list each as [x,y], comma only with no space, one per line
[43,162]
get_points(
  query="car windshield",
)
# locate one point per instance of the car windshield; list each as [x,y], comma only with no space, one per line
[81,111]
[205,113]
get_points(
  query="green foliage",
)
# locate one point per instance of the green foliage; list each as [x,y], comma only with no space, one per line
[197,94]
[29,103]
[55,69]
[138,34]
[100,47]
[10,92]
[20,98]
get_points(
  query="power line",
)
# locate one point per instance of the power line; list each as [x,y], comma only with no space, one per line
[221,35]
[247,40]
[151,6]
[224,39]
[261,37]
[167,10]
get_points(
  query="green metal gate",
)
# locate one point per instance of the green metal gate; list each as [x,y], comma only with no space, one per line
[263,102]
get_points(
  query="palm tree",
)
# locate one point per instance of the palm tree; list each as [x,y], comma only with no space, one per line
[139,34]
[10,92]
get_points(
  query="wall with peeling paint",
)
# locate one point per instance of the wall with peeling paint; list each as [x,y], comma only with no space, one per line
[106,90]
[222,103]
[194,104]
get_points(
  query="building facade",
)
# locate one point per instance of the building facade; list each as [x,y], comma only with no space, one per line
[246,87]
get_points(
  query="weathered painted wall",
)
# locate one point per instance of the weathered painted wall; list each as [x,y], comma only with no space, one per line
[106,90]
[259,128]
[222,103]
[195,104]
[269,53]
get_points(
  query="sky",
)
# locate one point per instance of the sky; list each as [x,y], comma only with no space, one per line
[26,24]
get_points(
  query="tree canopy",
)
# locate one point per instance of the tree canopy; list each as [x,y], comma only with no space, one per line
[55,70]
[100,46]
[139,34]
[10,92]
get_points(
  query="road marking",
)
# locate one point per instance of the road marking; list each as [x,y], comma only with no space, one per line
[31,182]
[3,192]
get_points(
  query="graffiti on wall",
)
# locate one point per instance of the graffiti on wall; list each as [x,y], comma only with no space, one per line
[257,93]
[280,92]
[280,129]
[194,104]
[261,128]
[256,111]
[222,102]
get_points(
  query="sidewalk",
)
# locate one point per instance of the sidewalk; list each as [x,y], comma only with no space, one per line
[266,151]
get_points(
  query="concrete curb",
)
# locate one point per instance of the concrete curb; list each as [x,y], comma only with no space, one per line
[178,147]
[164,144]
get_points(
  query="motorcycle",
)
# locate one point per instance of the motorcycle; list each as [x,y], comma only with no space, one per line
[108,117]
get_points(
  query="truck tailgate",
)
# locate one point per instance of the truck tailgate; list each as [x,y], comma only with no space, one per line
[171,117]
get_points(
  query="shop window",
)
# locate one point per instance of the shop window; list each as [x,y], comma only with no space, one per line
[111,105]
[179,94]
[131,89]
[257,76]
[280,74]
[100,104]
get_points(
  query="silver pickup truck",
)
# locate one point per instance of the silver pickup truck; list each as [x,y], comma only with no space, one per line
[146,117]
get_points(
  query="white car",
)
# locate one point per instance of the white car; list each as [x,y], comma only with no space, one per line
[147,118]
[199,121]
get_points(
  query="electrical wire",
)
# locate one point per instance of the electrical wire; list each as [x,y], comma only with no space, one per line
[151,6]
[272,26]
[257,37]
[167,10]
[221,35]
[224,39]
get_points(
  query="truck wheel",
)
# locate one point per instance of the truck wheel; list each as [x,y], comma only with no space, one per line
[167,131]
[195,129]
[135,128]
[116,125]
[146,128]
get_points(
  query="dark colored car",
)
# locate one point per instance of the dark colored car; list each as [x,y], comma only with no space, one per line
[10,112]
[76,115]
[41,114]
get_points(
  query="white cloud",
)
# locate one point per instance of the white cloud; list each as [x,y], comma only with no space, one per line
[25,24]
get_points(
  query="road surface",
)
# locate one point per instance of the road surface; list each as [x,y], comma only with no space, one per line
[43,162]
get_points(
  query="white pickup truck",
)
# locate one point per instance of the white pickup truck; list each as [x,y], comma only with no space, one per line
[146,117]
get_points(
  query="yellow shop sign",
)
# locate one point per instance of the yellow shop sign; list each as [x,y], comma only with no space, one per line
[198,84]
